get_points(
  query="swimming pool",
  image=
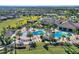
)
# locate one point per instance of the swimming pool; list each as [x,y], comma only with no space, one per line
[58,35]
[38,32]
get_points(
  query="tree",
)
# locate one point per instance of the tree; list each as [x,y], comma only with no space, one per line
[19,33]
[8,40]
[76,31]
[30,35]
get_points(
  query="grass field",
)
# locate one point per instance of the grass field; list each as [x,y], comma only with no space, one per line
[17,22]
[6,23]
[41,50]
[52,50]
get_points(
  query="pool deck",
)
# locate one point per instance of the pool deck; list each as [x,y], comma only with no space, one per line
[37,37]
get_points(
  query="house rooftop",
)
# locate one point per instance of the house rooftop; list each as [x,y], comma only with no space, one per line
[69,24]
[77,25]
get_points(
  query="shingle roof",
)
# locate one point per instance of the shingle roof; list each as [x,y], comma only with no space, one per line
[68,24]
[76,25]
[62,23]
[52,21]
[48,20]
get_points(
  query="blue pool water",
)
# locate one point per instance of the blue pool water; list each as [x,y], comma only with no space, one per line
[39,32]
[58,35]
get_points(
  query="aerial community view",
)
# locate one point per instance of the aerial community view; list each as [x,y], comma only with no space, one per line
[39,30]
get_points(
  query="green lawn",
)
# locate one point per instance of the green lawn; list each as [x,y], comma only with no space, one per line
[41,50]
[11,22]
[4,24]
[52,50]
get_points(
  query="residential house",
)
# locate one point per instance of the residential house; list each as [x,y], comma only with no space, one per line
[68,26]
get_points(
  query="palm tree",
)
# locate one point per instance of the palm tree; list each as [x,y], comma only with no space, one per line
[30,35]
[14,38]
[19,33]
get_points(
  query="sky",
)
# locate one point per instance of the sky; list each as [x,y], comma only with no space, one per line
[38,2]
